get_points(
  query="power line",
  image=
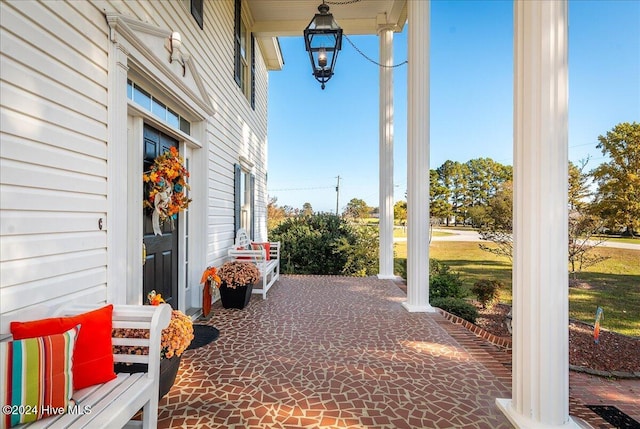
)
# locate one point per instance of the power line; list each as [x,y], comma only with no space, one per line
[299,189]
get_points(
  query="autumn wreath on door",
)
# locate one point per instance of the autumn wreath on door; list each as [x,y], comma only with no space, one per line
[166,189]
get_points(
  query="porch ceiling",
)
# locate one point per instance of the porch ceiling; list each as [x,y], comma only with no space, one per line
[275,18]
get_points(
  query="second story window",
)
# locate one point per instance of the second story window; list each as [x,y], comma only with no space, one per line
[197,11]
[244,53]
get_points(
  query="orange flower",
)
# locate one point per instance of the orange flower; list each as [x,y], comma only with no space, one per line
[167,171]
[155,298]
[211,275]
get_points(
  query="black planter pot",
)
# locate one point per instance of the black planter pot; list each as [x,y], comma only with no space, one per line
[235,298]
[168,371]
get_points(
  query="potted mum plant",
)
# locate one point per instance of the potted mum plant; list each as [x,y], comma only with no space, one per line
[237,279]
[175,339]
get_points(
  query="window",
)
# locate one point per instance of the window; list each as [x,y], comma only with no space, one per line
[244,56]
[197,11]
[148,102]
[244,195]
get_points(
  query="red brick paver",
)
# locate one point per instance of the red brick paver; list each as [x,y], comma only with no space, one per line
[336,352]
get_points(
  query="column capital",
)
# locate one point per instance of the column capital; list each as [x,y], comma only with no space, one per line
[386,27]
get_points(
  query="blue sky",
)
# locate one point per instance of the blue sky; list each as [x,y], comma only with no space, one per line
[315,136]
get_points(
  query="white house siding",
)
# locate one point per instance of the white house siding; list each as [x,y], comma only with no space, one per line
[54,149]
[52,156]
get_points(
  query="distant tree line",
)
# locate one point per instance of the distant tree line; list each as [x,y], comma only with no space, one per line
[479,191]
[460,192]
[355,210]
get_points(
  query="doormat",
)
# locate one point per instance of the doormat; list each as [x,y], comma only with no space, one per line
[203,335]
[614,416]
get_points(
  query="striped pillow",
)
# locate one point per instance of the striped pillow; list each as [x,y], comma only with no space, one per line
[38,380]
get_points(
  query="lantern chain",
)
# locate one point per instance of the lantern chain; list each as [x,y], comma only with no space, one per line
[371,59]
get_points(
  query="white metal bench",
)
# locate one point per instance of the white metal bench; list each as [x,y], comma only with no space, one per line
[115,403]
[269,269]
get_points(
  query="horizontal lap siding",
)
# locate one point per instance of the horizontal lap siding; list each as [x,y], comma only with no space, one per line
[53,165]
[53,162]
[212,51]
[236,129]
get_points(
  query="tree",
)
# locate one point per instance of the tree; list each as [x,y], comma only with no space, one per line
[499,226]
[307,210]
[485,179]
[439,206]
[582,241]
[618,180]
[275,214]
[578,186]
[400,212]
[478,216]
[583,226]
[453,176]
[356,209]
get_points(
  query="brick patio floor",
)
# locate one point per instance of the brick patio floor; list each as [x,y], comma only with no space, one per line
[338,352]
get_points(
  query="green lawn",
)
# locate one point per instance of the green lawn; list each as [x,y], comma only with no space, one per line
[613,284]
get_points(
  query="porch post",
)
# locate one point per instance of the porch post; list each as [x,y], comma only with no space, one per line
[418,157]
[386,154]
[540,375]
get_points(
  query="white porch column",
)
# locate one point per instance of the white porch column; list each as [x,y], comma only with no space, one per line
[418,157]
[540,375]
[386,154]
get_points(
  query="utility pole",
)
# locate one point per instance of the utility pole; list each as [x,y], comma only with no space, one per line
[337,195]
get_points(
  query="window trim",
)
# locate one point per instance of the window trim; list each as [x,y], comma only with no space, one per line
[236,38]
[244,71]
[239,175]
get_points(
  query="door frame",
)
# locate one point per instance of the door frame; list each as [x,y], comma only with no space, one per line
[188,147]
[138,51]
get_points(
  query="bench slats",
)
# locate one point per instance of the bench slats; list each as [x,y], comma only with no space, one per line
[269,269]
[114,403]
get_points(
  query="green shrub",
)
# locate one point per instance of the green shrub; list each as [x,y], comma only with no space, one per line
[324,243]
[361,248]
[400,267]
[458,307]
[444,283]
[487,291]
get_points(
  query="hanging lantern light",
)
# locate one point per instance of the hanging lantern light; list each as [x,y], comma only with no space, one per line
[323,40]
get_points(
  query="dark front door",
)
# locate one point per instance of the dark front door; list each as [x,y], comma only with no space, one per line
[161,262]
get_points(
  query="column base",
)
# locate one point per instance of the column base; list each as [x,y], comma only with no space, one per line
[522,422]
[388,277]
[418,308]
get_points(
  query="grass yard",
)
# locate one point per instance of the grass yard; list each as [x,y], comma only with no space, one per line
[613,284]
[630,240]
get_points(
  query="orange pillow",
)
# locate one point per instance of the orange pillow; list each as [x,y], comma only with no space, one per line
[266,246]
[93,355]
